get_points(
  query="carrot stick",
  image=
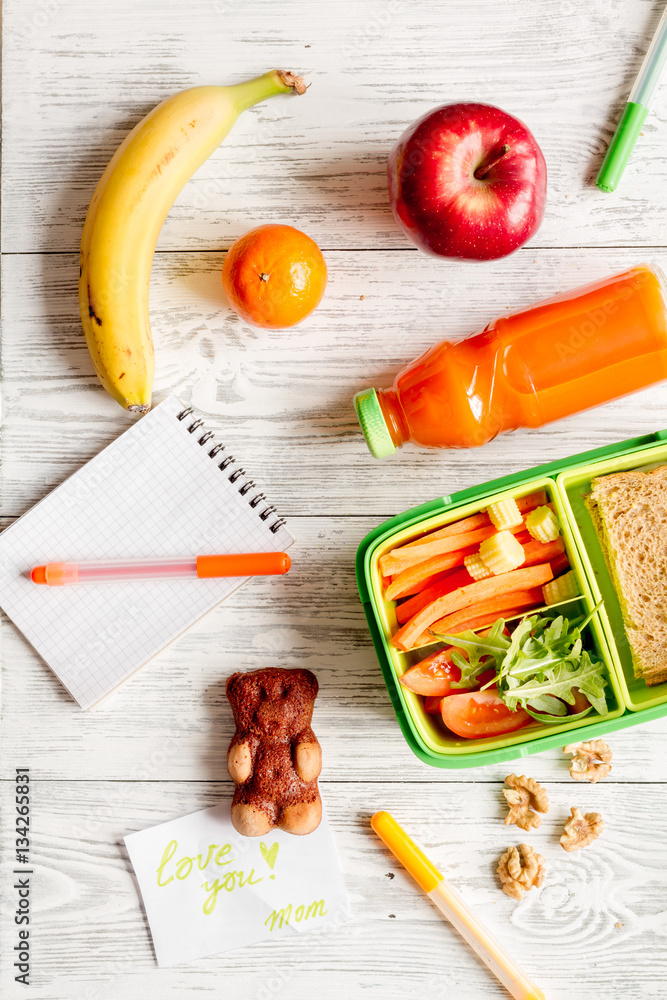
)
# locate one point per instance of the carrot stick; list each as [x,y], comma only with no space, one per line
[458,578]
[480,590]
[458,621]
[456,528]
[428,581]
[480,520]
[538,552]
[408,581]
[400,559]
[532,501]
[560,564]
[475,624]
[534,551]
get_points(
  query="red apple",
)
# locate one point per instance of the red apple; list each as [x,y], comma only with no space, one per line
[467,180]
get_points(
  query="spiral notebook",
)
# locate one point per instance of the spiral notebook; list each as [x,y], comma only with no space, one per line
[163,488]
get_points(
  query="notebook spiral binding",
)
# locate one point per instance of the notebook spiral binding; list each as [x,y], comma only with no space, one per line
[228,462]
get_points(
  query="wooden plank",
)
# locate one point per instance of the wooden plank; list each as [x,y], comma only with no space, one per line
[282,400]
[374,67]
[600,908]
[172,721]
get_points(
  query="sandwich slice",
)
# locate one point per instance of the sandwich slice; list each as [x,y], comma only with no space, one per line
[629,511]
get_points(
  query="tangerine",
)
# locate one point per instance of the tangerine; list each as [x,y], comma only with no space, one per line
[274,276]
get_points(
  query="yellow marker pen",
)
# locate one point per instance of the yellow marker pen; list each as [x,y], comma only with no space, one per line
[452,906]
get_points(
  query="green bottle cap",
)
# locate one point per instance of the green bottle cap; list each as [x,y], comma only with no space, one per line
[621,146]
[373,424]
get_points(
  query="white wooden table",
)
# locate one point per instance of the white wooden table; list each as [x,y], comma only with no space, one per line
[77,75]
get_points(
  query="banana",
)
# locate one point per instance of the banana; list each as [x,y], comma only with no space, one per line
[125,217]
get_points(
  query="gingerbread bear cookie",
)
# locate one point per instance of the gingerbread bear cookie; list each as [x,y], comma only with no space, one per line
[274,758]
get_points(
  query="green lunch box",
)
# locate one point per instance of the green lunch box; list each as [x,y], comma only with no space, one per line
[566,483]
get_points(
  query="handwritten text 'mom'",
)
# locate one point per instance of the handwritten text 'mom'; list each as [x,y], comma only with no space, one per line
[280,917]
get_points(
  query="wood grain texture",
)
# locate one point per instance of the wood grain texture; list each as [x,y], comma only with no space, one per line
[282,400]
[88,72]
[599,909]
[172,721]
[76,76]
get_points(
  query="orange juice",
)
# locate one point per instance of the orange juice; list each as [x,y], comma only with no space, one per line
[558,357]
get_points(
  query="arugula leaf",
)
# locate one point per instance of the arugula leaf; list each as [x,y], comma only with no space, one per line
[483,652]
[537,667]
[548,718]
[559,681]
[547,704]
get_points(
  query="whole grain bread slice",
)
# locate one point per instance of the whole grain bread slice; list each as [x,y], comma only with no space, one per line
[629,511]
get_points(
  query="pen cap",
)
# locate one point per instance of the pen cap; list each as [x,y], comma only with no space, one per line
[621,147]
[406,851]
[246,564]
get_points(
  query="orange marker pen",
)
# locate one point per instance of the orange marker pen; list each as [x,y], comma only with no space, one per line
[58,574]
[452,906]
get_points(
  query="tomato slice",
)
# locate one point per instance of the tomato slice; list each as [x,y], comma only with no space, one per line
[432,704]
[581,702]
[477,714]
[432,676]
[483,678]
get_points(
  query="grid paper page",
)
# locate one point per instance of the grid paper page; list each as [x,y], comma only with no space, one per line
[154,492]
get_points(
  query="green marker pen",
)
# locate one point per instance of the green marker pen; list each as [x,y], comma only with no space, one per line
[635,111]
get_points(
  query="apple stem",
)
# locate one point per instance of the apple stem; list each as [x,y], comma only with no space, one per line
[483,170]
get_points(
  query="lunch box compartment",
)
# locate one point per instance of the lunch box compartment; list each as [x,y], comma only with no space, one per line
[425,730]
[566,482]
[573,486]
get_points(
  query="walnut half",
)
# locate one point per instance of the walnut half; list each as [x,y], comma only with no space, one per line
[523,796]
[517,873]
[581,830]
[590,760]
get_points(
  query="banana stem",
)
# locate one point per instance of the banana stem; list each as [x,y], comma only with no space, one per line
[277,81]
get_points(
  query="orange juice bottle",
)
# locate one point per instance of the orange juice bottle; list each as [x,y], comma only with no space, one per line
[558,357]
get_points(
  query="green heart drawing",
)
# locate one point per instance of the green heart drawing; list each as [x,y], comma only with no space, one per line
[269,854]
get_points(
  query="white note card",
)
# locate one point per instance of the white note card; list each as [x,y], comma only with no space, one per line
[163,488]
[208,890]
